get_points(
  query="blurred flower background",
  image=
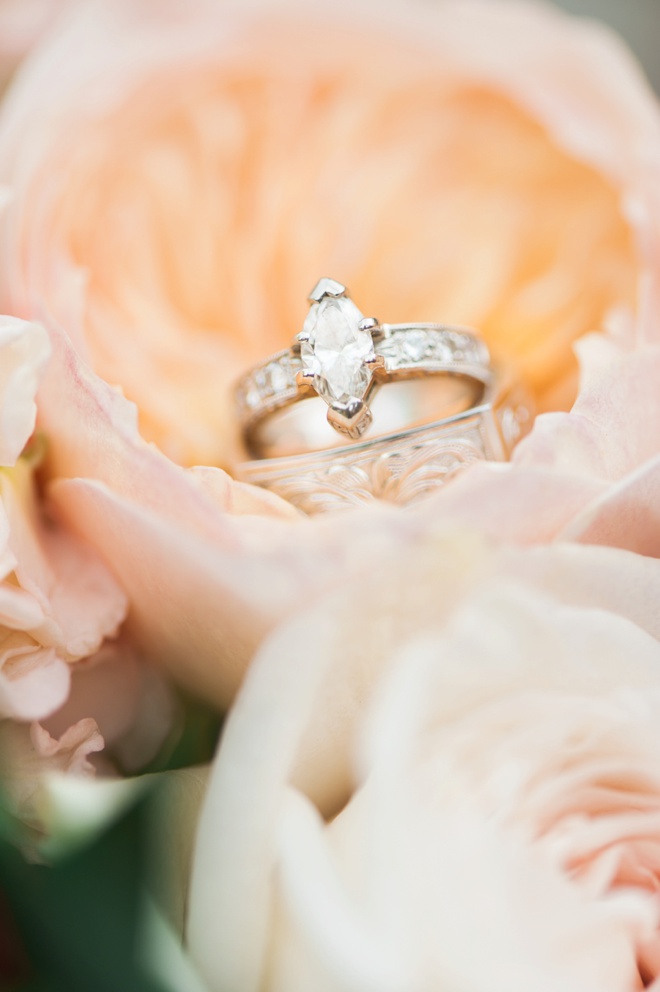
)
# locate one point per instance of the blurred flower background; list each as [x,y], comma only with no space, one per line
[561,642]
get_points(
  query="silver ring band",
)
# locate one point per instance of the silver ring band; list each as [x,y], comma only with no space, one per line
[408,350]
[444,407]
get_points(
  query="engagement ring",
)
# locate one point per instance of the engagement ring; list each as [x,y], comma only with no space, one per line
[407,405]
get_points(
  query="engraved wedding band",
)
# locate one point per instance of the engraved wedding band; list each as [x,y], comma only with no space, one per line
[407,406]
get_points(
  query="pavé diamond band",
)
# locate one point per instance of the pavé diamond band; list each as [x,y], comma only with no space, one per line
[443,407]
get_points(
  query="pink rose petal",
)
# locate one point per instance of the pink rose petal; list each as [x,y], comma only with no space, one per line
[24,351]
[28,753]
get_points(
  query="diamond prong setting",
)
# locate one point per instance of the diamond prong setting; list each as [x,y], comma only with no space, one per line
[338,357]
[376,364]
[305,380]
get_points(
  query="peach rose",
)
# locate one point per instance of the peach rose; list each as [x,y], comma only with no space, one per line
[180,175]
[492,821]
[191,249]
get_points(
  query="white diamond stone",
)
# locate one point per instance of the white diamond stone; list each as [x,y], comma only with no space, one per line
[336,351]
[414,345]
[442,352]
[253,396]
[277,377]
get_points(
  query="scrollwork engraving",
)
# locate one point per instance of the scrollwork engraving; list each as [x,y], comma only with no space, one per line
[401,477]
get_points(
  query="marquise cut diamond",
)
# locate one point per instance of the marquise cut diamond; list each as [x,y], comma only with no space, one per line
[336,350]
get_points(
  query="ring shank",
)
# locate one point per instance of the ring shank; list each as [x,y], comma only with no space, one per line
[411,402]
[404,351]
[400,467]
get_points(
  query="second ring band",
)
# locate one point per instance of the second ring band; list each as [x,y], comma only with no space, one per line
[399,468]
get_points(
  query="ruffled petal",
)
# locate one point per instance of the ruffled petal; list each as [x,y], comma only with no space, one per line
[24,352]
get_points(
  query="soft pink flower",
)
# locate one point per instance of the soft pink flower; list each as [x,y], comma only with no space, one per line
[181,174]
[133,708]
[28,753]
[492,822]
[59,606]
[58,599]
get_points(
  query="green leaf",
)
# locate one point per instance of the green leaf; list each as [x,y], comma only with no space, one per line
[80,919]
